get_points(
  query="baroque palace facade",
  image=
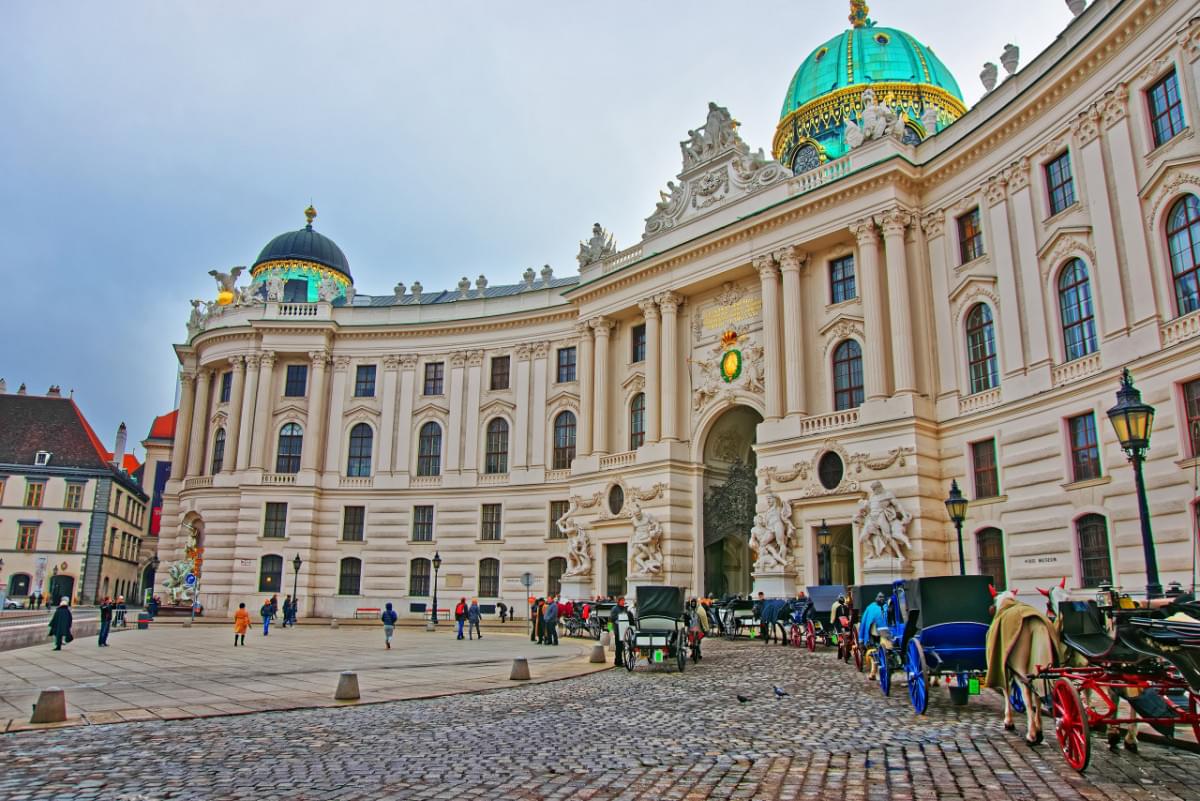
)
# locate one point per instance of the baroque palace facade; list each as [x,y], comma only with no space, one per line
[803,347]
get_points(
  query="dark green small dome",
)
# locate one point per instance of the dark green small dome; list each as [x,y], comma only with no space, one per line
[304,245]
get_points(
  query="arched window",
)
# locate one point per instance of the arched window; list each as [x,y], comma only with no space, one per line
[496,458]
[981,349]
[218,459]
[18,585]
[554,571]
[350,576]
[1183,241]
[847,376]
[1075,304]
[489,578]
[418,578]
[1095,565]
[637,421]
[270,573]
[564,440]
[359,461]
[291,440]
[989,544]
[429,450]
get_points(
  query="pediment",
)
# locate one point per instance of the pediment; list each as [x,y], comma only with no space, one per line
[293,408]
[843,321]
[563,398]
[1171,176]
[1073,234]
[431,408]
[497,406]
[634,379]
[361,409]
[971,290]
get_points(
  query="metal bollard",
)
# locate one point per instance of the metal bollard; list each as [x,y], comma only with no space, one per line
[520,669]
[347,689]
[598,656]
[51,706]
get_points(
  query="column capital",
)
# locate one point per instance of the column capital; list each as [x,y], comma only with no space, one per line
[187,377]
[475,358]
[670,301]
[934,224]
[252,361]
[267,359]
[391,361]
[408,361]
[767,271]
[1114,107]
[238,363]
[541,350]
[996,190]
[1017,175]
[791,258]
[458,359]
[864,232]
[583,330]
[1086,127]
[601,325]
[524,352]
[649,308]
[341,363]
[894,221]
[319,358]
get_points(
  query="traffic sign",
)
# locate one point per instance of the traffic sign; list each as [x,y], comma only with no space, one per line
[190,579]
[527,579]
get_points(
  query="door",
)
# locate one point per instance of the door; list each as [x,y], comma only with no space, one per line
[61,587]
[616,560]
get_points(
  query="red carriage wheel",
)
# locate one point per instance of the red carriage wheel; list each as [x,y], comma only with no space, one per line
[810,635]
[1194,712]
[1071,725]
[842,646]
[795,632]
[856,648]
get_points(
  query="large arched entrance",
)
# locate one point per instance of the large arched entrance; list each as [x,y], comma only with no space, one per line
[729,500]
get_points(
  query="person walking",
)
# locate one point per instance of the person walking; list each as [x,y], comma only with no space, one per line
[388,618]
[535,621]
[60,624]
[152,607]
[473,620]
[287,610]
[106,616]
[550,617]
[460,615]
[241,624]
[503,609]
[266,618]
[619,621]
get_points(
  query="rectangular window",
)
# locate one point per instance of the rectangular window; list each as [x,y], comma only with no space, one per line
[1091,531]
[353,518]
[970,236]
[566,365]
[1060,184]
[1166,109]
[74,496]
[364,381]
[489,578]
[35,491]
[418,583]
[557,510]
[297,381]
[990,545]
[226,386]
[27,537]
[275,525]
[1085,451]
[1191,402]
[350,577]
[637,344]
[983,463]
[841,279]
[422,528]
[434,377]
[491,522]
[500,372]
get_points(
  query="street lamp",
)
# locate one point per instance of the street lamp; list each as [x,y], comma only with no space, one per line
[823,540]
[296,584]
[1132,420]
[437,564]
[956,505]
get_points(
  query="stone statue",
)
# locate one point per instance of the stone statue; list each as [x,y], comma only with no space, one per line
[579,547]
[327,290]
[988,76]
[877,121]
[176,581]
[720,129]
[1010,58]
[646,544]
[275,288]
[882,522]
[226,281]
[598,248]
[772,536]
[929,119]
[196,318]
[249,295]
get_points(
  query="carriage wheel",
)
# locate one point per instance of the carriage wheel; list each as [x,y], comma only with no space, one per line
[918,677]
[856,648]
[1194,711]
[885,670]
[794,632]
[630,658]
[1071,725]
[842,644]
[680,654]
[1015,698]
[810,636]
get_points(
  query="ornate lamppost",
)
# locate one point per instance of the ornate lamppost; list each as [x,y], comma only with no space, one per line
[296,585]
[823,541]
[437,564]
[956,505]
[1132,420]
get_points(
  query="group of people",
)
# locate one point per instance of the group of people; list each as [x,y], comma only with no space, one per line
[468,615]
[268,612]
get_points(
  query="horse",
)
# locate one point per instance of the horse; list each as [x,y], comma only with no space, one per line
[775,615]
[1020,642]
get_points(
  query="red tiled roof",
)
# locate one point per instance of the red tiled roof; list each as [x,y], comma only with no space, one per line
[163,426]
[32,423]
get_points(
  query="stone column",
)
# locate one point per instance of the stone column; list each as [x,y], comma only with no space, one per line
[471,428]
[653,370]
[246,428]
[538,421]
[520,443]
[1033,309]
[337,403]
[454,436]
[384,444]
[768,274]
[669,303]
[791,262]
[404,429]
[585,370]
[233,427]
[1107,292]
[1012,357]
[183,424]
[314,428]
[894,223]
[262,410]
[602,328]
[934,226]
[871,287]
[199,419]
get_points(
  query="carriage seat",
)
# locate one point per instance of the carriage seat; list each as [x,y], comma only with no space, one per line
[1083,630]
[653,624]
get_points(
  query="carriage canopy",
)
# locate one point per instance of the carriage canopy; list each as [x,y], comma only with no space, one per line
[659,601]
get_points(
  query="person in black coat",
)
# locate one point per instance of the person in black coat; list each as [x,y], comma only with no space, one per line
[106,616]
[60,624]
[618,616]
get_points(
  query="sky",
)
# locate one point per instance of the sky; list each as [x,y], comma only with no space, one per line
[143,144]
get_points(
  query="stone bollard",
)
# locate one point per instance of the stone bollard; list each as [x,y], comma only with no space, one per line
[520,669]
[429,626]
[333,624]
[606,638]
[598,656]
[187,624]
[347,689]
[51,706]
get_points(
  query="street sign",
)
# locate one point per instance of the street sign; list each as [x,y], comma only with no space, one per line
[527,580]
[190,579]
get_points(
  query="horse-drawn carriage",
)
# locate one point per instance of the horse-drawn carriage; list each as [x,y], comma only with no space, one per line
[858,599]
[812,622]
[737,615]
[660,632]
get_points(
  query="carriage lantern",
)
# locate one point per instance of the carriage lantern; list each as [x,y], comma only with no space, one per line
[1132,420]
[956,506]
[823,540]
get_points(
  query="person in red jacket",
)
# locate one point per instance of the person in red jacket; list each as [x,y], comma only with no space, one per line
[460,615]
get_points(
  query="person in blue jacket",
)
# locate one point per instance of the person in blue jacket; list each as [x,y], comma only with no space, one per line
[550,619]
[874,618]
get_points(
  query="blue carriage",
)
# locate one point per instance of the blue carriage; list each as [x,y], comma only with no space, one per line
[937,627]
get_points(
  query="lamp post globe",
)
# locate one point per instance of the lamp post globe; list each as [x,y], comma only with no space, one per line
[956,507]
[437,564]
[823,542]
[1132,421]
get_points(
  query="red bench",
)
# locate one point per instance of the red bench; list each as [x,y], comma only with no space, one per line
[370,611]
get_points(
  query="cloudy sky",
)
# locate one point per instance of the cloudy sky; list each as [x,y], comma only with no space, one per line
[144,143]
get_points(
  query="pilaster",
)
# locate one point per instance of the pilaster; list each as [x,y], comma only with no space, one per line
[233,431]
[249,396]
[894,223]
[263,409]
[199,422]
[791,262]
[337,404]
[584,368]
[315,425]
[669,303]
[649,309]
[875,367]
[602,328]
[387,420]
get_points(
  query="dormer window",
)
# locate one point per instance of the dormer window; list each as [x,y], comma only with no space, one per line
[42,459]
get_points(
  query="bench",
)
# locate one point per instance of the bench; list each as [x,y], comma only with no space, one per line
[369,611]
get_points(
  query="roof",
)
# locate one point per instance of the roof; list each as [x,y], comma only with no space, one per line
[454,295]
[304,245]
[163,426]
[33,423]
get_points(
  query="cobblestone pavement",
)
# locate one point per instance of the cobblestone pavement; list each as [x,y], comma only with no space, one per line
[655,734]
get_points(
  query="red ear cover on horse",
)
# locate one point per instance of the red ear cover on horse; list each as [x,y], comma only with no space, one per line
[1062,585]
[992,590]
[1044,592]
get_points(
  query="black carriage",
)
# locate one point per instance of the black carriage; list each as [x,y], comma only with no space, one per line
[737,615]
[859,598]
[812,624]
[598,617]
[660,631]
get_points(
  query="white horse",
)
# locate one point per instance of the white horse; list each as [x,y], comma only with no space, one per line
[1032,647]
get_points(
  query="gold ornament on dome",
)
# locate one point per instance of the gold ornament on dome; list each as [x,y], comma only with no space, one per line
[224,297]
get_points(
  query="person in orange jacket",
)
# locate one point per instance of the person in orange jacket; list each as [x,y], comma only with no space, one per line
[241,624]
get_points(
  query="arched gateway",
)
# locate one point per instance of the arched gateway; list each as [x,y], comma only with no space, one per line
[729,500]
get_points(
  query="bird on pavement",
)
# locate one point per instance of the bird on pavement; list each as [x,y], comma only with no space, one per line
[780,692]
[742,699]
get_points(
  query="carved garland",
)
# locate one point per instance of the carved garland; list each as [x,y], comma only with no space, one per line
[1068,245]
[973,296]
[1168,192]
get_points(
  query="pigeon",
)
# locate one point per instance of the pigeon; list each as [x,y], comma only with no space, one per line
[742,699]
[780,692]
